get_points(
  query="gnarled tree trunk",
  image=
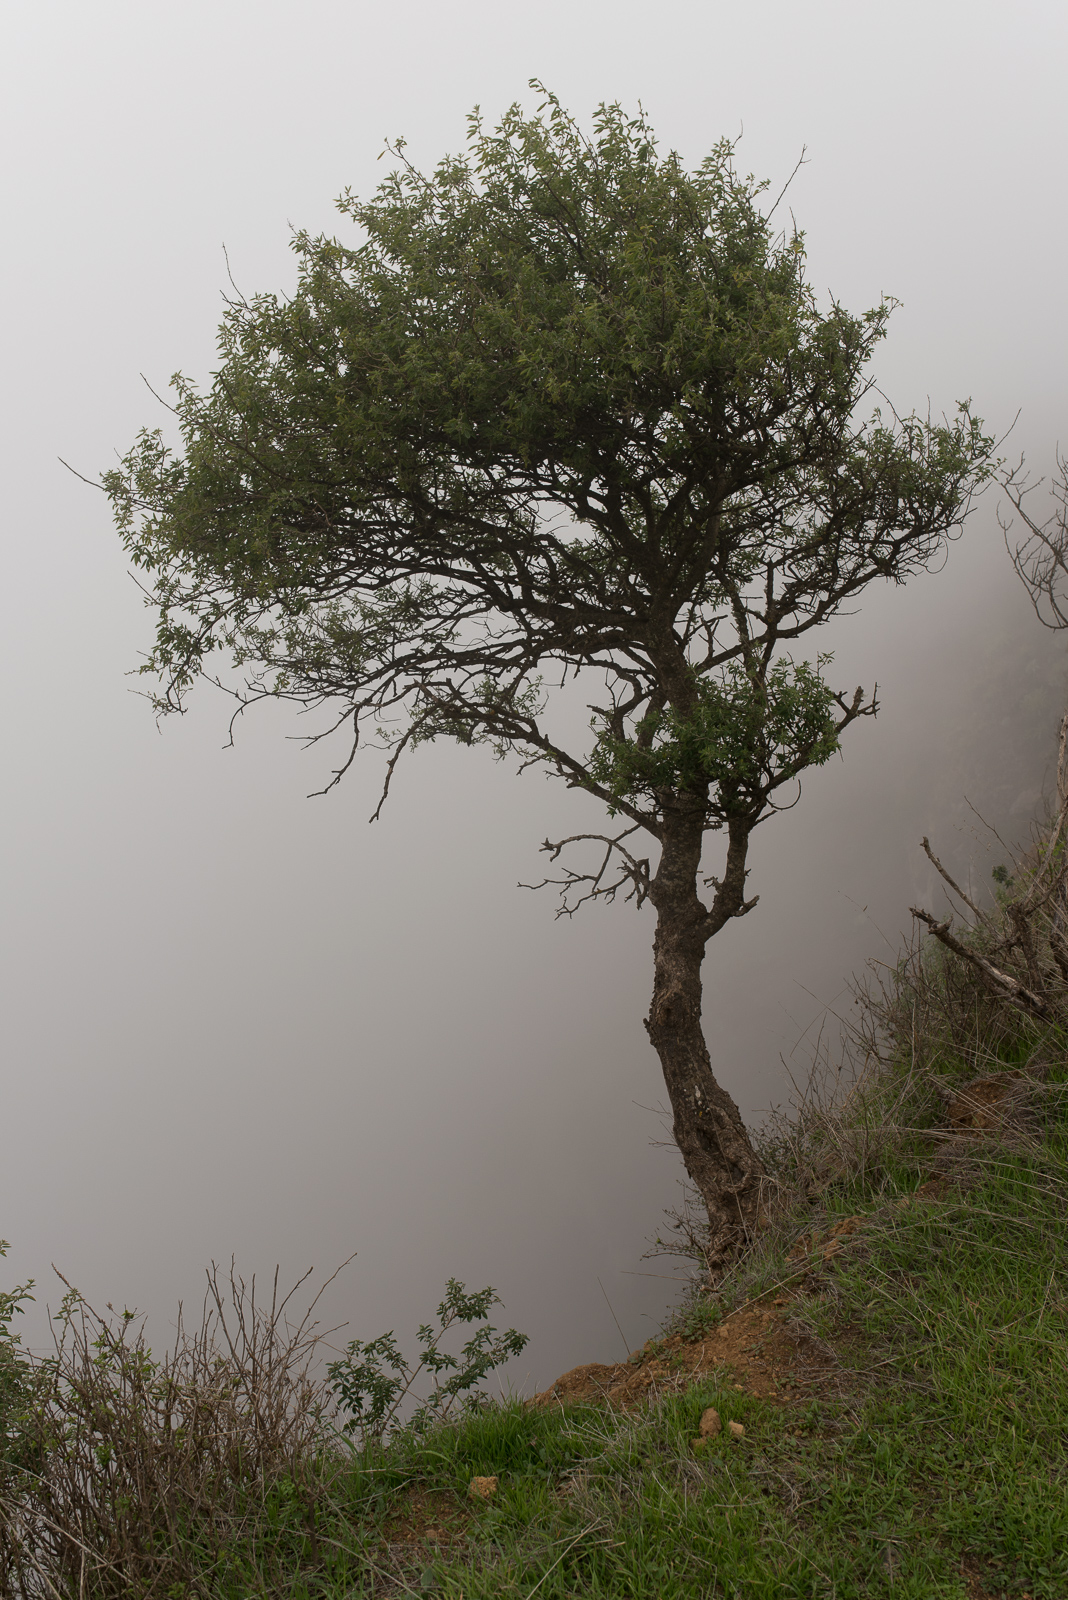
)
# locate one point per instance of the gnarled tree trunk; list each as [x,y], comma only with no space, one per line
[708,1127]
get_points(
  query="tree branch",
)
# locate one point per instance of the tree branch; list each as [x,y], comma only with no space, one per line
[633,870]
[1000,983]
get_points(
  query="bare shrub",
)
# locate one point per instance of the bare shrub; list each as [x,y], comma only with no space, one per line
[1017,951]
[1041,556]
[138,1477]
[983,995]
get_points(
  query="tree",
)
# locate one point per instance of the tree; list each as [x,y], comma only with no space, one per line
[570,408]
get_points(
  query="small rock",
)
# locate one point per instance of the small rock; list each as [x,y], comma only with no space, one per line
[736,1430]
[482,1488]
[710,1424]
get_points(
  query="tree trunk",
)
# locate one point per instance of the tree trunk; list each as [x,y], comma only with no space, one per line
[708,1127]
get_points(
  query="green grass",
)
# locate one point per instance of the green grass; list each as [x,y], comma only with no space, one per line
[945,1435]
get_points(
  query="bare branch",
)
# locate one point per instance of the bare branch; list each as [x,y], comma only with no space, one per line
[940,869]
[632,870]
[1001,983]
[1041,559]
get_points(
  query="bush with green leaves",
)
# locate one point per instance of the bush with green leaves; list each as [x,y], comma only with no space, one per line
[373,1380]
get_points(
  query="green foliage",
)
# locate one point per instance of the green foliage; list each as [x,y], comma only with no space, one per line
[372,1380]
[937,1437]
[561,404]
[940,1438]
[740,732]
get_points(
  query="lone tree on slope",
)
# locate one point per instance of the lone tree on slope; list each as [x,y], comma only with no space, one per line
[567,408]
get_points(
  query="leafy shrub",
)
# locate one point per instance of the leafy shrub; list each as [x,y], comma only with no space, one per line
[373,1380]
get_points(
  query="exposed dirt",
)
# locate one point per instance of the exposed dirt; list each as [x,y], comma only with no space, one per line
[973,1574]
[757,1349]
[424,1517]
[982,1104]
[422,1524]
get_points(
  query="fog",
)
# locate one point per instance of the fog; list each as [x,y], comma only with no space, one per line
[241,1022]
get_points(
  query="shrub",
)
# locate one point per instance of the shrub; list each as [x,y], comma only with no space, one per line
[372,1381]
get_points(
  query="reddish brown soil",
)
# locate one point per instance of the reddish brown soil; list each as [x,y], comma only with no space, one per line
[756,1349]
[424,1517]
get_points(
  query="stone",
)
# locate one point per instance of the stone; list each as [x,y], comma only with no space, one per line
[737,1431]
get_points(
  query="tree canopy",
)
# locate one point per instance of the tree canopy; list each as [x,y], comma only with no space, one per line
[562,408]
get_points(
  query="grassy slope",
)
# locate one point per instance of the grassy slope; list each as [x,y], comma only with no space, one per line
[933,1465]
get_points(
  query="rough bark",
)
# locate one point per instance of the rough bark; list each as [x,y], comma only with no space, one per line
[708,1127]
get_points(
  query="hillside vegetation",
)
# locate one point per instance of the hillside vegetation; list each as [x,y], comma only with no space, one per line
[887,1365]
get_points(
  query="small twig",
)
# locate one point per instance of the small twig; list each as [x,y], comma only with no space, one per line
[615,1319]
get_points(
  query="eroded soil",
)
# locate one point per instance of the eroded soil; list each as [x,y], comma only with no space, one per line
[760,1349]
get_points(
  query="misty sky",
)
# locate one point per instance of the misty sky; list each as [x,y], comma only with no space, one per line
[238,1021]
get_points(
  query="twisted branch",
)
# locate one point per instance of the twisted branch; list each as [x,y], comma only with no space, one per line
[632,871]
